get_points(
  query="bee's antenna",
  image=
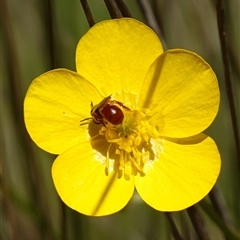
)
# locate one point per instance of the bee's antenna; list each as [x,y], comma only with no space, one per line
[85,119]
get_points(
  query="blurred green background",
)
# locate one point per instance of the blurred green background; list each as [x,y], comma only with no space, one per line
[41,35]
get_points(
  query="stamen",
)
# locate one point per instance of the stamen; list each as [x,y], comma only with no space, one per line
[132,140]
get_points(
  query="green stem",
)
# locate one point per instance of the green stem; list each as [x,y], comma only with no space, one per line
[228,77]
[14,80]
[151,19]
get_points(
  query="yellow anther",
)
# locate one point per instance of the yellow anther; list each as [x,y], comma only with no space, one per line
[131,140]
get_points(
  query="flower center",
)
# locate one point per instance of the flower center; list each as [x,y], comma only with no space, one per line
[133,142]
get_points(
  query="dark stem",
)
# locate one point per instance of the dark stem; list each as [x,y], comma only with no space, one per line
[49,24]
[198,223]
[8,211]
[123,8]
[51,43]
[219,205]
[16,98]
[174,231]
[227,74]
[229,233]
[87,12]
[63,222]
[151,19]
[113,9]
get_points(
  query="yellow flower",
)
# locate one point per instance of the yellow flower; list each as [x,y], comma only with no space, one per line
[152,107]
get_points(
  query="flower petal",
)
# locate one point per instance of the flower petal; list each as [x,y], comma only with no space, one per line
[80,179]
[185,172]
[116,54]
[185,90]
[53,107]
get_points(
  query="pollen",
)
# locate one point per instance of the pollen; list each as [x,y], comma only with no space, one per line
[133,142]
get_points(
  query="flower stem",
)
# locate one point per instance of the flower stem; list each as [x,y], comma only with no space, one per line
[219,205]
[174,230]
[229,233]
[123,8]
[40,208]
[87,12]
[49,21]
[151,19]
[228,78]
[52,50]
[198,223]
[113,9]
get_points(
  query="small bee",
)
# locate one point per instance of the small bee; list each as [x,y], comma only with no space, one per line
[108,111]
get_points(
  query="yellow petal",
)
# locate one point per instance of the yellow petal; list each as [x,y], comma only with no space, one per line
[53,107]
[116,54]
[80,179]
[186,92]
[184,173]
